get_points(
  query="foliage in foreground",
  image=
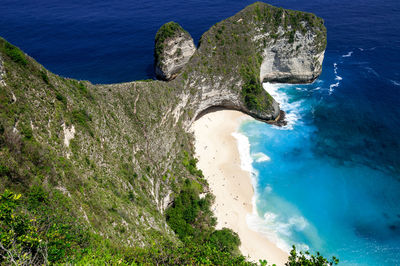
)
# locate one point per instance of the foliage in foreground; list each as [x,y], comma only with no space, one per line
[306,259]
[192,220]
[40,235]
[32,232]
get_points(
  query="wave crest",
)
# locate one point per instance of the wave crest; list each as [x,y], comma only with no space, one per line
[260,157]
[291,108]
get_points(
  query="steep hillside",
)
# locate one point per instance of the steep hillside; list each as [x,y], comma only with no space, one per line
[112,157]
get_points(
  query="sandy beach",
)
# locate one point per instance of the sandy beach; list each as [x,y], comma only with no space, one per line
[219,160]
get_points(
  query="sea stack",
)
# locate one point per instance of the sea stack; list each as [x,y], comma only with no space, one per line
[173,48]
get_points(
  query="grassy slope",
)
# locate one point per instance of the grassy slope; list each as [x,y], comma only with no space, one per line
[115,172]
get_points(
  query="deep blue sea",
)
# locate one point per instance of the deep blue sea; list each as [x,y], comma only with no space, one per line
[330,180]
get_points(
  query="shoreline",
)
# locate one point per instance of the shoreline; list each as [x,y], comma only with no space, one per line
[219,159]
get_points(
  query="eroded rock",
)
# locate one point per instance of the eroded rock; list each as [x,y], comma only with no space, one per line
[2,73]
[173,49]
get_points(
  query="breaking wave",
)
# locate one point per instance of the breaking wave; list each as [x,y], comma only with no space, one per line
[348,54]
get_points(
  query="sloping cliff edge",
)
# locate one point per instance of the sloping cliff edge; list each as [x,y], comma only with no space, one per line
[118,153]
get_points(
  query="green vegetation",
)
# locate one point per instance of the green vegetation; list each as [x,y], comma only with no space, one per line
[32,231]
[191,165]
[252,88]
[307,259]
[192,220]
[252,92]
[15,54]
[44,76]
[166,31]
[61,98]
[81,117]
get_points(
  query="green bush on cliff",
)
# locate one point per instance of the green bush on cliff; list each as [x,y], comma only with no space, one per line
[252,88]
[226,240]
[33,232]
[192,220]
[15,54]
[189,214]
[191,165]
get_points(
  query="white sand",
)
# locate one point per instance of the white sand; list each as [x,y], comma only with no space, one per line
[219,160]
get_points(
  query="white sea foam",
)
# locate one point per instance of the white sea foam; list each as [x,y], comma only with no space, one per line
[253,220]
[291,108]
[396,83]
[337,78]
[260,157]
[268,189]
[348,54]
[371,70]
[269,225]
[244,151]
[246,161]
[334,85]
[272,227]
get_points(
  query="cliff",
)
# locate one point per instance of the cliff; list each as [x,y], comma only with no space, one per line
[117,154]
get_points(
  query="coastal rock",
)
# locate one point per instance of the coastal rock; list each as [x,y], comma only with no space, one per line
[173,49]
[294,56]
[2,73]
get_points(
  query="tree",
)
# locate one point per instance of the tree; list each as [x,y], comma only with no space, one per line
[305,259]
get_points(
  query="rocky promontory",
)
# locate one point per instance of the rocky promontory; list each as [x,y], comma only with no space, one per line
[173,48]
[261,43]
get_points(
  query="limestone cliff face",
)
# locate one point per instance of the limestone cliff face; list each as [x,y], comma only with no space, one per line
[296,59]
[173,49]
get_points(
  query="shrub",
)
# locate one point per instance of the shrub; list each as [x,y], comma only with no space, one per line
[15,54]
[191,165]
[45,237]
[81,117]
[252,88]
[226,240]
[83,89]
[44,76]
[300,259]
[61,98]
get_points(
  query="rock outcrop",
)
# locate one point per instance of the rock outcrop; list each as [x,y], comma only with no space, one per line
[173,48]
[295,59]
[2,73]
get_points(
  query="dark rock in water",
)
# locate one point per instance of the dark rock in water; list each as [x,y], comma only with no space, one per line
[280,121]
